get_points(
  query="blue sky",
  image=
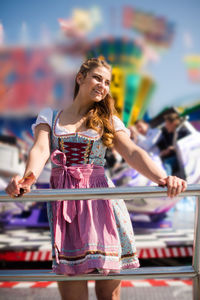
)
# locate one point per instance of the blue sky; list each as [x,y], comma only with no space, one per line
[173,86]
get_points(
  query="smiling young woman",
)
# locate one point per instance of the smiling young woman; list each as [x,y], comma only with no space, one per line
[88,235]
[93,84]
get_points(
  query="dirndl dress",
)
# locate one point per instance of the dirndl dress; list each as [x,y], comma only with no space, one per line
[87,235]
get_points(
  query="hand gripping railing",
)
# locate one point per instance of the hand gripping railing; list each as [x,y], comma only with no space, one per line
[113,193]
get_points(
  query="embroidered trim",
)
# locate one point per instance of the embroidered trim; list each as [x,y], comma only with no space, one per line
[88,151]
[78,257]
[61,145]
[97,252]
[129,255]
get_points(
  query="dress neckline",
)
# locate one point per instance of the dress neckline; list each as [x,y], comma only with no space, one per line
[68,133]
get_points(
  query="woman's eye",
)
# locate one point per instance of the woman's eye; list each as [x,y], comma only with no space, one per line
[98,78]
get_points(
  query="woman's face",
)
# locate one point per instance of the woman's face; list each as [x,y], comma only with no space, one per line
[96,85]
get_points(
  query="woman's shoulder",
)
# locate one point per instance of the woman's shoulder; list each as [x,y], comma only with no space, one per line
[45,116]
[119,125]
[46,111]
[116,121]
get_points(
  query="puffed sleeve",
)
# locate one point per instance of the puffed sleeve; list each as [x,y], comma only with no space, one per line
[44,117]
[119,125]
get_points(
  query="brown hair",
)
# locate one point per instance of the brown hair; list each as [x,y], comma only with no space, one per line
[99,116]
[171,117]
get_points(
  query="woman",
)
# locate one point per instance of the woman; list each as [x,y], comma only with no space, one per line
[94,235]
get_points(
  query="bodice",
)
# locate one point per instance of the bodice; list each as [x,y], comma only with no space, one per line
[78,147]
[84,147]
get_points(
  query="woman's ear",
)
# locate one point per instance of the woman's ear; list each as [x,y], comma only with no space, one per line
[79,78]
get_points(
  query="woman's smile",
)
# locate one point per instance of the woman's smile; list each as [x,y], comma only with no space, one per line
[98,92]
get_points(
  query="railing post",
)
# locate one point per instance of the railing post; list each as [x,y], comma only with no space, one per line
[196,288]
[196,252]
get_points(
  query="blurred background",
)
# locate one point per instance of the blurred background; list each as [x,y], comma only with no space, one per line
[154,49]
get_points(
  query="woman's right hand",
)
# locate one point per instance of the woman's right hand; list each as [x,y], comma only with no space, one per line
[19,186]
[13,188]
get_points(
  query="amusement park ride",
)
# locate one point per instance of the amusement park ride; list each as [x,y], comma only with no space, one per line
[130,87]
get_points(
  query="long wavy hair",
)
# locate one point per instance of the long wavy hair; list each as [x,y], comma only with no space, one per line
[99,116]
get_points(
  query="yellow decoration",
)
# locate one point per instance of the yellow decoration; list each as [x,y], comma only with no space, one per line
[195,58]
[144,89]
[117,88]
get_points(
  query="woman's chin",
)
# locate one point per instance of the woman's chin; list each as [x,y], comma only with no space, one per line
[96,99]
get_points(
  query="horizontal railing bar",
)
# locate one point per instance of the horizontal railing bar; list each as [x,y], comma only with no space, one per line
[126,193]
[141,273]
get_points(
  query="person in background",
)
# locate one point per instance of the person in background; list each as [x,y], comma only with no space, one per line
[170,133]
[145,136]
[114,162]
[88,236]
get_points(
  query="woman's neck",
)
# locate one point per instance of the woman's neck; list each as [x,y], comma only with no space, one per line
[79,107]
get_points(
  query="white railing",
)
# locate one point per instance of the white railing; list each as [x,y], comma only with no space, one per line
[113,193]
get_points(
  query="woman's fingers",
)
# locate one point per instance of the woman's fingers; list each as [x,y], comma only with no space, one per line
[175,186]
[179,188]
[13,188]
[24,190]
[19,186]
[184,185]
[170,187]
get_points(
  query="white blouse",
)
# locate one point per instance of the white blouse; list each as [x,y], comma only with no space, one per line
[45,116]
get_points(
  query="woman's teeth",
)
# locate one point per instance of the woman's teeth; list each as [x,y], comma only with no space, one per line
[98,92]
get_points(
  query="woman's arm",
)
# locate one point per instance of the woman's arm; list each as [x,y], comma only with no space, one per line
[138,159]
[37,158]
[40,151]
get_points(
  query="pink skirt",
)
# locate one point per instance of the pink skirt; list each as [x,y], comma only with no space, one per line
[88,235]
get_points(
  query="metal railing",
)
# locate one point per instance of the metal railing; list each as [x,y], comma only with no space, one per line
[113,193]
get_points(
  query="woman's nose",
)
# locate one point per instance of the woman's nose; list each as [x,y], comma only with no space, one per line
[101,85]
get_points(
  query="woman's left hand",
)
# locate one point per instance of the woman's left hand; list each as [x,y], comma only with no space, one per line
[174,185]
